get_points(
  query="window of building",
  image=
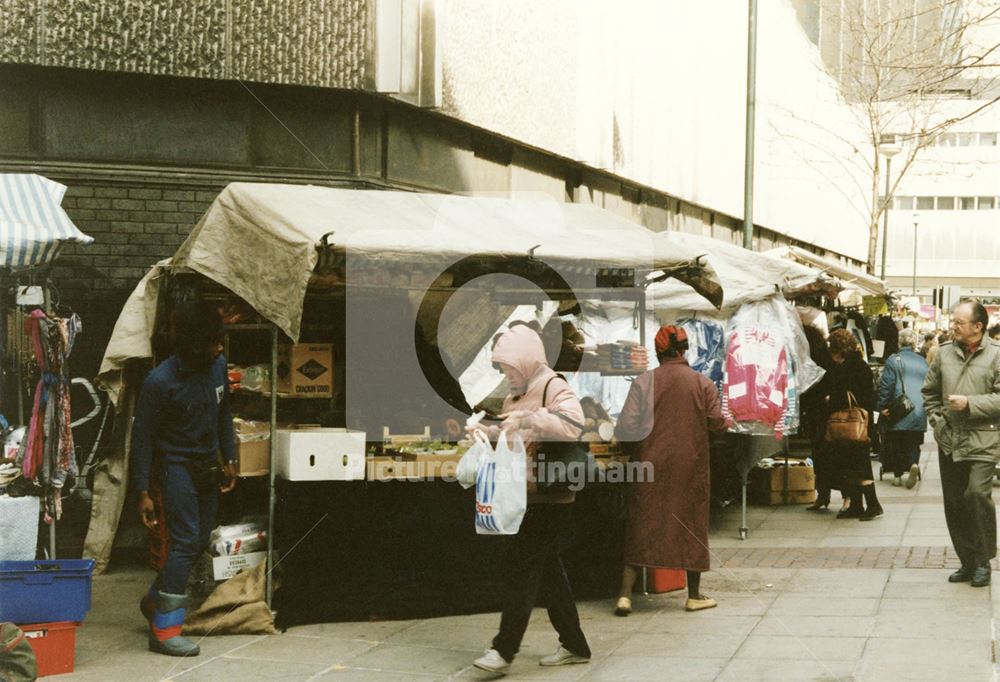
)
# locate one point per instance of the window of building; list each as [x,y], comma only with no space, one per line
[987,203]
[967,203]
[946,203]
[887,138]
[905,203]
[947,140]
[988,139]
[965,139]
[925,203]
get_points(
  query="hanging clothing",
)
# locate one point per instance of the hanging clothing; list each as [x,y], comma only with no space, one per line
[756,378]
[706,352]
[885,331]
[47,454]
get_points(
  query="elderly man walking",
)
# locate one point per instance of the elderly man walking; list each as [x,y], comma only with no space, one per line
[962,401]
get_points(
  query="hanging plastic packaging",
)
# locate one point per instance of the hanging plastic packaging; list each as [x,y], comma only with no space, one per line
[767,368]
[706,348]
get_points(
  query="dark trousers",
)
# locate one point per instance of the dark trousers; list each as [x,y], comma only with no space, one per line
[901,450]
[532,568]
[190,518]
[969,509]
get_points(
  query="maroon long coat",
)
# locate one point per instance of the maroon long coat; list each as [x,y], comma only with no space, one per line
[668,516]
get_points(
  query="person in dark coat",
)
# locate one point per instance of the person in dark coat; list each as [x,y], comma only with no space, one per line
[851,461]
[670,411]
[904,372]
[815,412]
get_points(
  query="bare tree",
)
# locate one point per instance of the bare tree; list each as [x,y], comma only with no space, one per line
[912,69]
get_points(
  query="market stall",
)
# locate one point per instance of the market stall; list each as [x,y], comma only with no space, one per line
[38,335]
[403,292]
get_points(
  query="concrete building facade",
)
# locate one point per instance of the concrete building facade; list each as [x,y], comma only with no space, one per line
[147,108]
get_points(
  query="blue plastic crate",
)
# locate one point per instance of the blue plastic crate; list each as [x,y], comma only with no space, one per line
[45,591]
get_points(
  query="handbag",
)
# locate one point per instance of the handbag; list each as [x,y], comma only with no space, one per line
[563,463]
[901,405]
[850,424]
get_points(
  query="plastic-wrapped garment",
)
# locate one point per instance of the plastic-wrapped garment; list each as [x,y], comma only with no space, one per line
[706,348]
[756,375]
[767,368]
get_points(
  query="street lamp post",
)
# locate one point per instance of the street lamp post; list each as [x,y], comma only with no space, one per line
[887,151]
[916,221]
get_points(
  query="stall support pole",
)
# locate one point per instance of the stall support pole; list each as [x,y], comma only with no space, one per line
[744,531]
[751,110]
[270,488]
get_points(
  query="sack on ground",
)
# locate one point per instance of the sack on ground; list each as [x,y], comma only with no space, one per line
[502,488]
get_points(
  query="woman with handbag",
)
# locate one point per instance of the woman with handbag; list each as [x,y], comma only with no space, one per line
[851,396]
[544,408]
[901,405]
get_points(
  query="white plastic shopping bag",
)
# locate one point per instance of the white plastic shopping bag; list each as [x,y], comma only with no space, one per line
[502,488]
[468,466]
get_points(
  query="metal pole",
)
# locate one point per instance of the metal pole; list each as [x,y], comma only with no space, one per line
[914,258]
[885,214]
[751,108]
[270,488]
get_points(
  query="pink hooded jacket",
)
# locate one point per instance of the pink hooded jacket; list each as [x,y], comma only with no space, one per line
[521,347]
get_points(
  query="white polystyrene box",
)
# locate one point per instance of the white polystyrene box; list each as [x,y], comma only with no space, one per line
[320,454]
[18,527]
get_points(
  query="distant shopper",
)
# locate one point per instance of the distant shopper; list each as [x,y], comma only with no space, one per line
[904,372]
[962,400]
[851,376]
[543,405]
[815,412]
[182,421]
[943,338]
[930,341]
[994,332]
[671,411]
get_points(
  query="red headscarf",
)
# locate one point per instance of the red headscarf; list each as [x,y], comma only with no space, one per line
[670,338]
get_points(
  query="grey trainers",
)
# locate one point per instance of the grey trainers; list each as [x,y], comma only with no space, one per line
[913,476]
[563,657]
[492,662]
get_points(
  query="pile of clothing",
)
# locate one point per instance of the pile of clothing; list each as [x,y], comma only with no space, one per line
[622,355]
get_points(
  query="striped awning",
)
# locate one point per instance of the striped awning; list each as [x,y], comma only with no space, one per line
[33,225]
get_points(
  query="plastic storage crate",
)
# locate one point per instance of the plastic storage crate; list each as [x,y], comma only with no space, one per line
[54,645]
[45,591]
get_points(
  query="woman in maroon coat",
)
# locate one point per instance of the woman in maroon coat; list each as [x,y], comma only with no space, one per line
[671,410]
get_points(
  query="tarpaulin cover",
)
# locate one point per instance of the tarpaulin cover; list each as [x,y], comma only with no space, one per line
[259,240]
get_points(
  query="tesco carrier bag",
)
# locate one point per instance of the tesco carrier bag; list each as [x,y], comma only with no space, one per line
[502,487]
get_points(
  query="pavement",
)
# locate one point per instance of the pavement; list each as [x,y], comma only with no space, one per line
[804,597]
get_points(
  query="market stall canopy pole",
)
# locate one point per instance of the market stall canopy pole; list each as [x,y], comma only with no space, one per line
[260,240]
[33,225]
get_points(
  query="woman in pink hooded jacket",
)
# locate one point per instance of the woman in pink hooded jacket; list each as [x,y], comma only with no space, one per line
[537,397]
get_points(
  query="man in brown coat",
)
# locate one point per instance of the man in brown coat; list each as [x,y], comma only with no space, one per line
[671,410]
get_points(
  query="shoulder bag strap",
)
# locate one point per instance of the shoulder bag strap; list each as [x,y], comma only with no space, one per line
[545,400]
[902,373]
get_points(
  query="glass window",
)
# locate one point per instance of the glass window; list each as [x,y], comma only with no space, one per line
[966,139]
[967,203]
[946,203]
[948,140]
[988,139]
[925,203]
[905,203]
[986,203]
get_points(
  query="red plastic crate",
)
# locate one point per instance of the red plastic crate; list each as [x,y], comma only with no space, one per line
[54,645]
[665,579]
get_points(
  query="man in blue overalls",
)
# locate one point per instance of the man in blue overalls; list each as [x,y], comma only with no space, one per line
[182,420]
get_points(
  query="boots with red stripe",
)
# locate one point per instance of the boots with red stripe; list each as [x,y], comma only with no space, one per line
[165,630]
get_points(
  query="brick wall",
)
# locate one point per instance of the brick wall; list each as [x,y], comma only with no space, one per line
[134,225]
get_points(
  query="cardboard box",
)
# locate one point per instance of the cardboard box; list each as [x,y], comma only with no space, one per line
[253,447]
[424,468]
[225,567]
[306,369]
[799,478]
[317,454]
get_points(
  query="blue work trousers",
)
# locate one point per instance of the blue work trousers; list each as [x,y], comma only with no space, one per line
[190,520]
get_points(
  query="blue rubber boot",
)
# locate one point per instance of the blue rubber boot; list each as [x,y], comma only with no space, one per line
[165,630]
